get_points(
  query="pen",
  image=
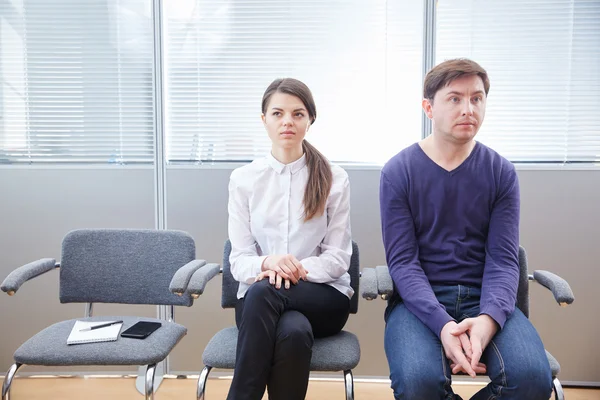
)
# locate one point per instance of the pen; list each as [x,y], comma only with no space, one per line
[91,328]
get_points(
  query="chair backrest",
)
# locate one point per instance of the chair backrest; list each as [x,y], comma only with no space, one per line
[230,285]
[123,266]
[523,290]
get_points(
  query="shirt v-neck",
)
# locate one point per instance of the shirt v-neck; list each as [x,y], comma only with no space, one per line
[444,170]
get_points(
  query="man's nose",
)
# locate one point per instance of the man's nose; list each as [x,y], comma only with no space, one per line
[467,108]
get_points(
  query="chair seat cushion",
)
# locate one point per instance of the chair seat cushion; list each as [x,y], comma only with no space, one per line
[49,347]
[339,352]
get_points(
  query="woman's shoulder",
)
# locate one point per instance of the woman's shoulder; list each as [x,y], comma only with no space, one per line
[340,176]
[249,171]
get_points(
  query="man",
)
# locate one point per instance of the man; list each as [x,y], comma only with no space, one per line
[450,223]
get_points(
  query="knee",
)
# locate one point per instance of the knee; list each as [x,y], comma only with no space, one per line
[261,301]
[416,383]
[296,335]
[531,382]
[259,291]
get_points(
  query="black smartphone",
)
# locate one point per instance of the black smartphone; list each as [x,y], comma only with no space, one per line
[141,329]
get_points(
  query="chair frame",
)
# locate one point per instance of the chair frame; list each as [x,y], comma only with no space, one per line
[184,276]
[348,377]
[384,288]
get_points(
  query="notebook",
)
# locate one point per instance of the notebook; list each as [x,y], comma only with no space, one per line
[107,334]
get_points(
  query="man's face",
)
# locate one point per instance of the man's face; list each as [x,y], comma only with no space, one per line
[457,110]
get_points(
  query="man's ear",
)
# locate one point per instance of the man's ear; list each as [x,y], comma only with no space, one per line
[427,107]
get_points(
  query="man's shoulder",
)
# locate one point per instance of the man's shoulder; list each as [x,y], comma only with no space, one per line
[400,161]
[495,158]
[501,172]
[396,173]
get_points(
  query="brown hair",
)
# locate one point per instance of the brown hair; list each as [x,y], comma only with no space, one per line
[443,74]
[320,177]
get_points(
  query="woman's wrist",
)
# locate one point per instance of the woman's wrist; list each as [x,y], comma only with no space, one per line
[263,266]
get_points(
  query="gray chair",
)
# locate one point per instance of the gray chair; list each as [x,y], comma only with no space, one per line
[339,352]
[113,266]
[377,281]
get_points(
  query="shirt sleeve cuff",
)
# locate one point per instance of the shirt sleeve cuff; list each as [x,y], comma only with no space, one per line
[309,266]
[496,314]
[258,267]
[255,269]
[437,320]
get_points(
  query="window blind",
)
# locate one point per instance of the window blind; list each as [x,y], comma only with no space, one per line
[543,59]
[361,60]
[76,81]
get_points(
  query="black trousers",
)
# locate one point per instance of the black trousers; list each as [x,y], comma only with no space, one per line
[277,328]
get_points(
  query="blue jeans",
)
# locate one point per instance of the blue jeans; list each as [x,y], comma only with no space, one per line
[515,358]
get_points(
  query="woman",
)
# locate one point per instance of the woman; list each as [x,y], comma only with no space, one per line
[289,226]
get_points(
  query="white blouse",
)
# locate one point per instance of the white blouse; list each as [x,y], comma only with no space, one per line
[266,217]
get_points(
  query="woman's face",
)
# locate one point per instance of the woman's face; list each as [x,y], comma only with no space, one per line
[286,120]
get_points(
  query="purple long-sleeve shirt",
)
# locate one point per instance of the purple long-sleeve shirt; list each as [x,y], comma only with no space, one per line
[451,228]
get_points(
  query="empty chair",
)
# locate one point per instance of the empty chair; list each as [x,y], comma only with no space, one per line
[112,266]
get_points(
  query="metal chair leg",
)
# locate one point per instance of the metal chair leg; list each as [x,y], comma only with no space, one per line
[349,380]
[8,380]
[558,390]
[202,382]
[150,371]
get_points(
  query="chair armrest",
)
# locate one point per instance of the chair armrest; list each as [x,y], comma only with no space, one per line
[368,284]
[19,276]
[385,285]
[201,278]
[181,279]
[560,288]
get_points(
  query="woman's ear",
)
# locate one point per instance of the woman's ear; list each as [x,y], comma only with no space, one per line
[308,126]
[264,120]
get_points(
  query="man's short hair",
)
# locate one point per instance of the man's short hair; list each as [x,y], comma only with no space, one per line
[444,73]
